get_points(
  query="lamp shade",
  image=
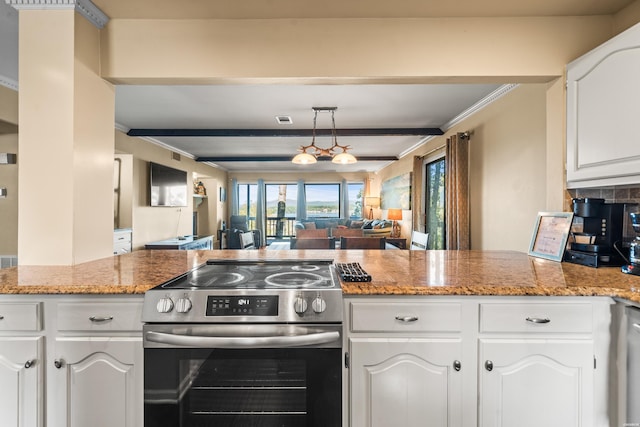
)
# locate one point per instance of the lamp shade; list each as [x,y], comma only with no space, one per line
[372,201]
[394,214]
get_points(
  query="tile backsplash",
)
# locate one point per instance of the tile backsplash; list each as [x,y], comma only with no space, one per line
[628,194]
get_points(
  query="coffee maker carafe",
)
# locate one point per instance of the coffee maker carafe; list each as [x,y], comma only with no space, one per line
[602,228]
[634,248]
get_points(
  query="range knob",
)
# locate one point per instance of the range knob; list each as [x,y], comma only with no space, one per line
[183,305]
[319,305]
[165,305]
[300,305]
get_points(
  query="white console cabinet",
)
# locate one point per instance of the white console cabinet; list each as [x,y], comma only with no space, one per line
[78,362]
[603,144]
[485,361]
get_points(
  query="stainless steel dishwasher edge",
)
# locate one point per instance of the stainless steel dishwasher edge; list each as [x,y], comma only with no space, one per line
[633,366]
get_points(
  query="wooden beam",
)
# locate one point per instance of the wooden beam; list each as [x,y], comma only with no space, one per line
[284,159]
[284,132]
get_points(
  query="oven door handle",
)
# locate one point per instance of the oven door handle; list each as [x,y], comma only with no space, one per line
[242,342]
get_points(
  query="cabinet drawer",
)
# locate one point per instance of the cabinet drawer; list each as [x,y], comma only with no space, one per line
[121,316]
[122,247]
[20,316]
[410,317]
[536,317]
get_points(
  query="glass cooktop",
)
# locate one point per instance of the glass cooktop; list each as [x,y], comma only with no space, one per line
[258,274]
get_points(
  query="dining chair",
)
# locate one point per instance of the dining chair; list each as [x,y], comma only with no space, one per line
[311,243]
[312,234]
[346,232]
[419,241]
[246,240]
[363,242]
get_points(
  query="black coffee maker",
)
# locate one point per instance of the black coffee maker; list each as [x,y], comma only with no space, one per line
[600,241]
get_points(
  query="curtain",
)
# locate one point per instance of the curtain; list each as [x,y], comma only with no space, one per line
[457,192]
[417,213]
[301,205]
[233,197]
[261,212]
[345,200]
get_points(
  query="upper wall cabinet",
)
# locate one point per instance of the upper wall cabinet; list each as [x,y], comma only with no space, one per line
[603,114]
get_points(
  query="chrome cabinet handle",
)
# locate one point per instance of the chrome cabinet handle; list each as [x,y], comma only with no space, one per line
[407,319]
[100,319]
[457,365]
[29,363]
[538,320]
[636,327]
[488,365]
[58,363]
[1,317]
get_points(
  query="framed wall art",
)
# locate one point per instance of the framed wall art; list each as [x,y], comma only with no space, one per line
[395,192]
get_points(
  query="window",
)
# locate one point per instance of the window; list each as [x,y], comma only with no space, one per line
[435,203]
[323,200]
[356,194]
[247,202]
[286,193]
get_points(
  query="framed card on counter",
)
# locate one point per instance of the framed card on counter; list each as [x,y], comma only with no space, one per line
[550,235]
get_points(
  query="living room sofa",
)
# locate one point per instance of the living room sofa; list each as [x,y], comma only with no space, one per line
[370,227]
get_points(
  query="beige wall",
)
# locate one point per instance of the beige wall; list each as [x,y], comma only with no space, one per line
[508,175]
[157,223]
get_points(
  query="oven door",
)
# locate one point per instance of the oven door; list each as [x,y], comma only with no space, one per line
[242,375]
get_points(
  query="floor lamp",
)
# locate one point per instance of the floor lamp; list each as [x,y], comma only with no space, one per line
[371,202]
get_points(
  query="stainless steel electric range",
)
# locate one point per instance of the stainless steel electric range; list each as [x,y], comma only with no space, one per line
[245,343]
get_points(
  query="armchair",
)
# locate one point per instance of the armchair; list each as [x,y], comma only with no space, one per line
[238,224]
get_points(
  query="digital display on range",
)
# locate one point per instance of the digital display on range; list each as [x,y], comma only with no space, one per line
[244,305]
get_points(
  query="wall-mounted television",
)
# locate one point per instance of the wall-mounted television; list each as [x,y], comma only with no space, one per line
[168,185]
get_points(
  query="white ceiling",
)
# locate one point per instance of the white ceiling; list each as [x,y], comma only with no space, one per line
[256,106]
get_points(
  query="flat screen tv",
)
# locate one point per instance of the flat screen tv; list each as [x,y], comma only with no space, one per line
[168,185]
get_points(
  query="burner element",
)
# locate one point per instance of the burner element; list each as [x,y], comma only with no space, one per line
[295,279]
[227,279]
[305,267]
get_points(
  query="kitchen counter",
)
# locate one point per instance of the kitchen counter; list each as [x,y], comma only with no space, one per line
[393,272]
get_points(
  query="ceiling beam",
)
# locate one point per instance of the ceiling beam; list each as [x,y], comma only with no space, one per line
[284,159]
[284,132]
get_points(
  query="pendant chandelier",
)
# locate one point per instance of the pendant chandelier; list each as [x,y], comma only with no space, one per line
[312,153]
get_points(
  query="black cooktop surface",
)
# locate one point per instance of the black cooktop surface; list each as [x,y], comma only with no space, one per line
[262,274]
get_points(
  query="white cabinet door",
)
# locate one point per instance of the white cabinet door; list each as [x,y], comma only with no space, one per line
[536,382]
[99,382]
[603,144]
[405,382]
[21,391]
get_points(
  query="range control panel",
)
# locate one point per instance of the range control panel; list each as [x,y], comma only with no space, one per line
[245,305]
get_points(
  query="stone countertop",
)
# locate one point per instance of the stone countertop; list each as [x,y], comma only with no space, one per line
[393,272]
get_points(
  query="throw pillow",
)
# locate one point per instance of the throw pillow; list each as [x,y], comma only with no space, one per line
[356,224]
[368,224]
[309,225]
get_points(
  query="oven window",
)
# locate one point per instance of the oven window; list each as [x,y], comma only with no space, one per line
[260,387]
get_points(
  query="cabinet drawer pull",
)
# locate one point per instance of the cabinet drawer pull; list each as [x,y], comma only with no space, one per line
[58,363]
[538,320]
[99,319]
[29,363]
[488,365]
[407,319]
[457,365]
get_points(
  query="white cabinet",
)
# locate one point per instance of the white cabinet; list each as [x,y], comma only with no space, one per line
[21,364]
[122,241]
[97,382]
[603,144]
[21,385]
[536,382]
[405,382]
[71,361]
[406,363]
[485,361]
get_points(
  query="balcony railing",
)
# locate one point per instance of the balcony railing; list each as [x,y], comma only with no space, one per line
[277,228]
